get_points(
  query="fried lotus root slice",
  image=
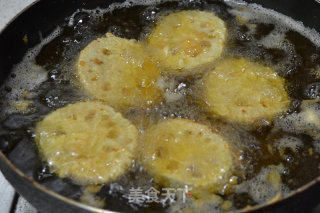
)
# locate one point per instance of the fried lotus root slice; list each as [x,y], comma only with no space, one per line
[118,71]
[187,42]
[245,92]
[183,152]
[88,142]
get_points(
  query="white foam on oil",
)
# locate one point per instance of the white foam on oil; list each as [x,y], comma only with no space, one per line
[307,121]
[211,203]
[260,188]
[290,142]
[115,6]
[28,75]
[130,3]
[276,39]
[172,90]
[258,13]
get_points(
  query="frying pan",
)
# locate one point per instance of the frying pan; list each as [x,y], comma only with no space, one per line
[58,195]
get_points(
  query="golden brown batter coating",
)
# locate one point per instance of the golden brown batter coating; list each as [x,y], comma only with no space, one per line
[187,42]
[180,151]
[87,141]
[244,91]
[118,71]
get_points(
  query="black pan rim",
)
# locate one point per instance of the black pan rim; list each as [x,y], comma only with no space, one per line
[48,191]
[94,209]
[18,14]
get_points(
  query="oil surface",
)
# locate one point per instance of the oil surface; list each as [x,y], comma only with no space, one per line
[45,81]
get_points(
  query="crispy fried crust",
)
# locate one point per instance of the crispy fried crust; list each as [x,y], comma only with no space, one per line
[180,151]
[118,71]
[188,41]
[244,91]
[87,141]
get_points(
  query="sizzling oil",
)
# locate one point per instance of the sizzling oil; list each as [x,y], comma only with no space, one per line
[45,80]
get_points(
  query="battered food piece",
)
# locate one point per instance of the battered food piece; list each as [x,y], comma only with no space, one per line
[187,42]
[118,71]
[245,92]
[87,141]
[180,151]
